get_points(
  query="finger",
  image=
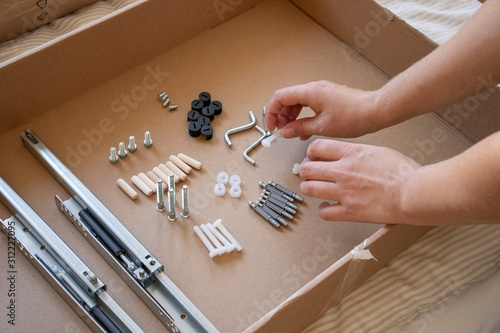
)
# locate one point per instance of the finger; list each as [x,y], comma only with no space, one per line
[332,212]
[294,95]
[324,149]
[318,170]
[303,127]
[320,189]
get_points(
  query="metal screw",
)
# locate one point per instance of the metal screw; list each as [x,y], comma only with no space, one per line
[185,202]
[166,102]
[162,96]
[172,216]
[132,147]
[122,152]
[172,107]
[160,203]
[171,181]
[147,140]
[113,157]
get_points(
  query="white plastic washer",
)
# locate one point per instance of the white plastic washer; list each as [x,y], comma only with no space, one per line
[235,180]
[219,189]
[222,177]
[235,191]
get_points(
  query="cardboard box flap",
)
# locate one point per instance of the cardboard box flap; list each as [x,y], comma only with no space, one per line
[78,61]
[391,45]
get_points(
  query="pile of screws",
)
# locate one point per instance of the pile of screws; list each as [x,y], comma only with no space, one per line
[276,202]
[221,241]
[132,147]
[203,111]
[163,98]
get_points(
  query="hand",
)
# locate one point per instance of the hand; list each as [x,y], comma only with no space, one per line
[340,111]
[367,182]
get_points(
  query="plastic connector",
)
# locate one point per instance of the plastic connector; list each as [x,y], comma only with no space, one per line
[219,189]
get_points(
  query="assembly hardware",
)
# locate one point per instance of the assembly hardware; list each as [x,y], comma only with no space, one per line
[235,191]
[253,122]
[275,200]
[222,177]
[190,161]
[162,96]
[196,105]
[229,246]
[84,292]
[132,147]
[172,216]
[160,203]
[180,164]
[176,170]
[152,185]
[279,210]
[219,189]
[125,187]
[172,107]
[221,249]
[273,189]
[273,214]
[134,263]
[166,102]
[147,140]
[205,97]
[227,234]
[286,191]
[235,180]
[212,251]
[282,201]
[122,152]
[113,156]
[255,144]
[185,202]
[264,214]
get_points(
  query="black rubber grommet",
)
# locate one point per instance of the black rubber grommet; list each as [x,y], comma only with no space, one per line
[193,115]
[207,131]
[205,98]
[208,111]
[204,120]
[197,105]
[194,129]
[217,106]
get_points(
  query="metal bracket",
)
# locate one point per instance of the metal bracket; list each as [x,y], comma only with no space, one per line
[126,255]
[62,268]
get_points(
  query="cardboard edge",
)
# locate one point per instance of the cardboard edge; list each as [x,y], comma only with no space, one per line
[331,286]
[48,75]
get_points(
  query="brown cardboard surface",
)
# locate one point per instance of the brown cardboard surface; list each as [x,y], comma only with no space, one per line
[21,16]
[240,62]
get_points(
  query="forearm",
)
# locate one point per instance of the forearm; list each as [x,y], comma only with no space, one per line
[465,65]
[461,190]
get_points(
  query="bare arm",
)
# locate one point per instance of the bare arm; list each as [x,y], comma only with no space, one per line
[447,75]
[366,183]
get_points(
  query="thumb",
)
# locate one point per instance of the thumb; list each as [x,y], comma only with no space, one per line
[303,127]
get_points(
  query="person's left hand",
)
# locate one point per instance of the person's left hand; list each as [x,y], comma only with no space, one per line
[363,183]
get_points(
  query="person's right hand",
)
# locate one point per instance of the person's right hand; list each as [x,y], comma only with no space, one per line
[340,111]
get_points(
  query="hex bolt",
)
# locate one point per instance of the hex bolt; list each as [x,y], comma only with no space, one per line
[160,203]
[122,152]
[147,140]
[166,102]
[132,147]
[221,248]
[212,251]
[279,210]
[227,234]
[185,202]
[172,216]
[172,107]
[171,183]
[113,157]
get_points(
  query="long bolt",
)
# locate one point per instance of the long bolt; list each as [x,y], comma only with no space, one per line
[172,216]
[113,157]
[212,251]
[286,191]
[171,184]
[274,215]
[160,203]
[229,246]
[132,147]
[122,152]
[279,210]
[147,140]
[264,214]
[185,202]
[221,248]
[267,194]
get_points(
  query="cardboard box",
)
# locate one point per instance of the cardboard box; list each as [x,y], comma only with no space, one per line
[19,17]
[95,87]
